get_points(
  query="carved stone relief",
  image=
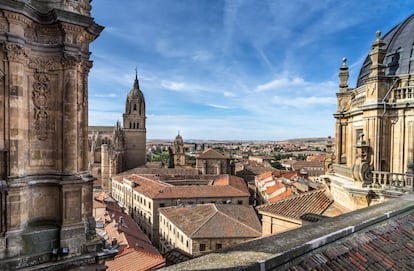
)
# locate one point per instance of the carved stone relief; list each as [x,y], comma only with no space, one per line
[16,52]
[40,94]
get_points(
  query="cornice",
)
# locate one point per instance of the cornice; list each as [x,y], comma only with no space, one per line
[51,16]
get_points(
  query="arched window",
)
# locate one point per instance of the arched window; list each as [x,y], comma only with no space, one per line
[135,107]
[130,125]
[138,125]
[134,125]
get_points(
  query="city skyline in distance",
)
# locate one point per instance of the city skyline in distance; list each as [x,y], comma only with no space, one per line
[232,70]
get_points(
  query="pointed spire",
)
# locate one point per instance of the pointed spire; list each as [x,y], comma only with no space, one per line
[136,83]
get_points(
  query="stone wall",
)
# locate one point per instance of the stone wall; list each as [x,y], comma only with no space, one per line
[44,65]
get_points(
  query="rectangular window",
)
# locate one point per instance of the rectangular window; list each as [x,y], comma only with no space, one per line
[218,246]
[162,205]
[202,247]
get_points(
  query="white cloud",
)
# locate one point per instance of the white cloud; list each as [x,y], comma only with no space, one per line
[219,106]
[281,83]
[304,101]
[108,95]
[229,94]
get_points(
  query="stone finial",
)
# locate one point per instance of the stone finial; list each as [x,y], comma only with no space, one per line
[343,76]
[378,34]
[377,56]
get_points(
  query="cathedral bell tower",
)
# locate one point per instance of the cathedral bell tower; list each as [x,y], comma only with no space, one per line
[134,128]
[178,151]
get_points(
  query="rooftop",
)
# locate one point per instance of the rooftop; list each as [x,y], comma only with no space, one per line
[289,249]
[227,186]
[215,220]
[295,206]
[212,154]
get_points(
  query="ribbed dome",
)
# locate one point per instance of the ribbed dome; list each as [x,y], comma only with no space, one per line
[135,92]
[399,57]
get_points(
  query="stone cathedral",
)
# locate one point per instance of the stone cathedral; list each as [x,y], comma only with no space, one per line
[122,147]
[45,188]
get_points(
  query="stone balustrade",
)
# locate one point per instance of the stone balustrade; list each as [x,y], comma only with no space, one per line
[403,93]
[393,181]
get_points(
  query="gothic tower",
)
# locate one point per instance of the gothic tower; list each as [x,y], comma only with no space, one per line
[135,132]
[45,189]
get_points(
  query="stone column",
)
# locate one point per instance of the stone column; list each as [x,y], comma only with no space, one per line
[70,115]
[104,165]
[83,115]
[18,132]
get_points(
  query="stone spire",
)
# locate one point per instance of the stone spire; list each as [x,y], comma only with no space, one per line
[343,76]
[136,82]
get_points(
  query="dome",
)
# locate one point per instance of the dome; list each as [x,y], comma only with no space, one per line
[178,140]
[398,60]
[135,92]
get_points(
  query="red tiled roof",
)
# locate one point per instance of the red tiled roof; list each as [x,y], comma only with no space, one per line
[284,195]
[233,181]
[101,196]
[215,220]
[129,234]
[133,260]
[389,246]
[290,174]
[212,154]
[295,206]
[264,175]
[160,190]
[274,188]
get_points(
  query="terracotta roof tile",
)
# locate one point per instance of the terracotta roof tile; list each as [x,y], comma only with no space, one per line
[212,154]
[129,234]
[215,220]
[133,260]
[161,190]
[265,175]
[274,188]
[387,246]
[295,206]
[284,195]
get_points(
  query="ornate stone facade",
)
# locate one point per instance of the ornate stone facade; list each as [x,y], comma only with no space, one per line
[374,141]
[45,189]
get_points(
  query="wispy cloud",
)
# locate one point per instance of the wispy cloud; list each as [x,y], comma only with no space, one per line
[181,86]
[266,65]
[300,102]
[219,106]
[108,95]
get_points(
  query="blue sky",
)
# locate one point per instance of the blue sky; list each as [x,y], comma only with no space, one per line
[232,70]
